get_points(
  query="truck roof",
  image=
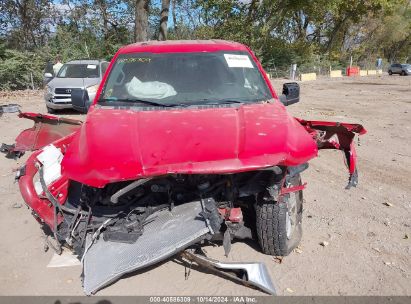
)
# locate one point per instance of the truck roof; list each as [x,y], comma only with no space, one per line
[176,46]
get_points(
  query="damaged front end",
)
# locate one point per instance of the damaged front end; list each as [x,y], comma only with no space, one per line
[139,222]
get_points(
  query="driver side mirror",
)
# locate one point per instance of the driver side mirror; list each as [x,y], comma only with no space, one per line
[291,93]
[80,100]
[48,75]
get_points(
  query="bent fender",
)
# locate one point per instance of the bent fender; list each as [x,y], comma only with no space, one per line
[339,136]
[46,129]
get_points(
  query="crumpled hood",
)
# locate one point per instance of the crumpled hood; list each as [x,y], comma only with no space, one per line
[120,144]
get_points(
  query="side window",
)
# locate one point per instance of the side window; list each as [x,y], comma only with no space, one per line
[104,67]
[63,71]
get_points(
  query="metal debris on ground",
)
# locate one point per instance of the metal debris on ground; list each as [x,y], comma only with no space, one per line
[10,152]
[9,108]
[324,243]
[388,204]
[249,274]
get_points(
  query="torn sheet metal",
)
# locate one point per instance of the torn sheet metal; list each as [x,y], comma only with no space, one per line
[339,136]
[46,130]
[28,175]
[250,274]
[165,234]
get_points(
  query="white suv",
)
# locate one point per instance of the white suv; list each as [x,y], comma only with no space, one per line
[77,74]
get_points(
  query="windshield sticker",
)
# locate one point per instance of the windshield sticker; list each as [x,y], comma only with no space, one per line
[134,59]
[238,61]
[91,66]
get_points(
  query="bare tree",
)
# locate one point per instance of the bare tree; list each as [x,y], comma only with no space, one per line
[141,20]
[165,8]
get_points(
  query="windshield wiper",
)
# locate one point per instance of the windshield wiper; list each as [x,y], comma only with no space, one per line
[220,101]
[144,101]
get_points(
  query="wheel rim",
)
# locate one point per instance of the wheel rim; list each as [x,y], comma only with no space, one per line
[291,215]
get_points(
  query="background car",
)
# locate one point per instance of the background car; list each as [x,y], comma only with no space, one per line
[77,74]
[402,69]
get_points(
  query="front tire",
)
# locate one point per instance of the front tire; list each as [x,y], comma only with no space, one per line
[279,224]
[390,72]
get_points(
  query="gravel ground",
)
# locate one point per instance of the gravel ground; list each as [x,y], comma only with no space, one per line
[367,228]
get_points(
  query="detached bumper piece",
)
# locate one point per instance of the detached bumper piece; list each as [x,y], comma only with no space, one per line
[249,274]
[165,234]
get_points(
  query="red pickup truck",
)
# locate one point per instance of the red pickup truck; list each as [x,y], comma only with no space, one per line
[185,141]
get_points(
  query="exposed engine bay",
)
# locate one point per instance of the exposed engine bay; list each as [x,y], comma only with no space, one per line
[121,210]
[150,219]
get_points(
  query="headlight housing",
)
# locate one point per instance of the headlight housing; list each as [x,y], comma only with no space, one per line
[49,90]
[92,89]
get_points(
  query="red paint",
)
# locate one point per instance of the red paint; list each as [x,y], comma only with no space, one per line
[40,206]
[183,46]
[339,126]
[336,135]
[138,144]
[234,215]
[46,130]
[293,189]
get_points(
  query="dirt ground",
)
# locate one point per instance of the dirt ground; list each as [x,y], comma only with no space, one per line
[369,242]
